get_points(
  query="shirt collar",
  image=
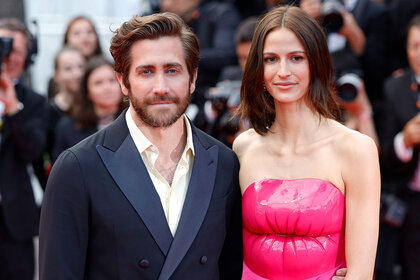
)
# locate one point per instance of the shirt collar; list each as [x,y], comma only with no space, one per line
[141,141]
[417,78]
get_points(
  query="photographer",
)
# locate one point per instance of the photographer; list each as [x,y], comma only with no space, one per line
[400,157]
[23,137]
[358,114]
[356,31]
[222,100]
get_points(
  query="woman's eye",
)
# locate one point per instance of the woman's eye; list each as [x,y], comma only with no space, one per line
[270,59]
[297,58]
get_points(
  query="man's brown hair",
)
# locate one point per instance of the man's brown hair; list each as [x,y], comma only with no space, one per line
[152,27]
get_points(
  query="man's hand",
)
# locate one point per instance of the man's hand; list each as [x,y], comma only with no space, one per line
[360,105]
[411,132]
[340,274]
[8,95]
[353,33]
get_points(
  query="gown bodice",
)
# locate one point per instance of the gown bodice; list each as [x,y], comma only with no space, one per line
[293,229]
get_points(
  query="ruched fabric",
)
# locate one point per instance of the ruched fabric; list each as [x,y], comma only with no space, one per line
[293,229]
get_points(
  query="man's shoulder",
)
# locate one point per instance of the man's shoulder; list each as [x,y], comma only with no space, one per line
[392,83]
[208,141]
[102,137]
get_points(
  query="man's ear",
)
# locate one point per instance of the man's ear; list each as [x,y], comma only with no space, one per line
[192,85]
[121,81]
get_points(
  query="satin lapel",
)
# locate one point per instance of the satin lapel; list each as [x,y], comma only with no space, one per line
[130,174]
[195,207]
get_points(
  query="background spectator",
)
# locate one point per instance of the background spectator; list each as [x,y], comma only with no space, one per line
[98,103]
[214,23]
[400,164]
[80,34]
[222,100]
[23,138]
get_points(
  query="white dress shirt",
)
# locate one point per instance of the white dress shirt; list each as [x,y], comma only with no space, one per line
[171,197]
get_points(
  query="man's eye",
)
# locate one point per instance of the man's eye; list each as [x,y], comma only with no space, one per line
[172,71]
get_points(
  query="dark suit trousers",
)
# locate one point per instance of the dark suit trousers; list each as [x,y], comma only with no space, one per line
[411,238]
[16,257]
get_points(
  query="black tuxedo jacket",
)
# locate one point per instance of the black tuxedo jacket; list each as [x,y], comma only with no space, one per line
[23,139]
[400,107]
[102,218]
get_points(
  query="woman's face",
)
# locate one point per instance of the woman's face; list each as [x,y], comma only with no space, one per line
[413,49]
[286,66]
[82,36]
[103,88]
[70,69]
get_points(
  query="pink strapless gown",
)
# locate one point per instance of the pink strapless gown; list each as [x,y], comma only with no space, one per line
[293,229]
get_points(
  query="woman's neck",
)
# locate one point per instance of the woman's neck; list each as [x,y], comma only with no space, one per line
[295,124]
[103,112]
[64,100]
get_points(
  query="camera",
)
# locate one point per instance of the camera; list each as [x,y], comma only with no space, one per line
[393,209]
[331,17]
[348,85]
[6,46]
[224,99]
[224,93]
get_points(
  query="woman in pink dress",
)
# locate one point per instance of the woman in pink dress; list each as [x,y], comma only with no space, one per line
[310,185]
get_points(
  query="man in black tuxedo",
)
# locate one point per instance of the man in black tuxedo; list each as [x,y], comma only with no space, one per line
[150,196]
[400,147]
[23,137]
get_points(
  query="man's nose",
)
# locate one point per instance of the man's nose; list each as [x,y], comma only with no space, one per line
[160,84]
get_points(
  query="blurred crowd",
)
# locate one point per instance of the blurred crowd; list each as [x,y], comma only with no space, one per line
[375,47]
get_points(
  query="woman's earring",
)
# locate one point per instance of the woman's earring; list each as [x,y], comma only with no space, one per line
[265,89]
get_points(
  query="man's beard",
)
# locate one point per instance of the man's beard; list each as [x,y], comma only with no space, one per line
[160,118]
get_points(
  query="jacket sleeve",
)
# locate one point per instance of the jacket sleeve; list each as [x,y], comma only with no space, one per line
[63,237]
[231,260]
[29,127]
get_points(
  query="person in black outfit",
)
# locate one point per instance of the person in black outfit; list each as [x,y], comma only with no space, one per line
[23,137]
[97,104]
[360,44]
[400,152]
[401,12]
[215,24]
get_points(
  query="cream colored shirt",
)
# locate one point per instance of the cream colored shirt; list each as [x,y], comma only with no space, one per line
[171,197]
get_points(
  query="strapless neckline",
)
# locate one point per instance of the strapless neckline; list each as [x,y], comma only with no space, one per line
[329,183]
[293,229]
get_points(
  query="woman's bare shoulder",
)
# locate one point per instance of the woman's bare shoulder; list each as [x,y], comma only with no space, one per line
[244,140]
[352,144]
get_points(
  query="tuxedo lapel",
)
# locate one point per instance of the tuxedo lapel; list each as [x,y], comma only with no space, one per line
[129,172]
[196,203]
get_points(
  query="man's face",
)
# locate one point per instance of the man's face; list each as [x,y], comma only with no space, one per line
[14,64]
[160,87]
[182,8]
[413,49]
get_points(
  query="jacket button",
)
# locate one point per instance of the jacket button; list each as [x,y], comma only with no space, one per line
[144,263]
[203,260]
